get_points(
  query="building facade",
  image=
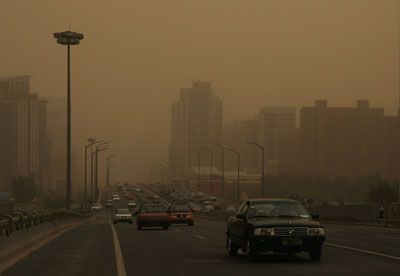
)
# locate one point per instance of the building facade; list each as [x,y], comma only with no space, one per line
[196,121]
[23,135]
[343,142]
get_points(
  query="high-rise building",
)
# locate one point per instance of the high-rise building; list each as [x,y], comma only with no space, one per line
[196,120]
[273,123]
[344,142]
[23,135]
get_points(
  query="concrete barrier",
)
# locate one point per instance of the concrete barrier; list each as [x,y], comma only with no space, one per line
[19,240]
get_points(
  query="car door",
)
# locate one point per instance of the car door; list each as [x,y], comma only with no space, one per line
[237,224]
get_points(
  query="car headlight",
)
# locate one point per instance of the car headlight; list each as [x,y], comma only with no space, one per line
[264,232]
[316,231]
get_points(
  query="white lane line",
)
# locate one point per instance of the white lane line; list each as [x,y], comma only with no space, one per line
[385,237]
[363,251]
[178,230]
[118,253]
[199,237]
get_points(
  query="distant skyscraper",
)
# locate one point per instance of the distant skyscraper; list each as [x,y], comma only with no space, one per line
[197,120]
[23,135]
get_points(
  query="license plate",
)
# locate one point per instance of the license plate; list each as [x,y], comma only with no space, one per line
[292,241]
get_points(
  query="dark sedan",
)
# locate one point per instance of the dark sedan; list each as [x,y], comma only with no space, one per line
[274,225]
[152,215]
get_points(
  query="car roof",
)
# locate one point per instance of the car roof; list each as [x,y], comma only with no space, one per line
[270,200]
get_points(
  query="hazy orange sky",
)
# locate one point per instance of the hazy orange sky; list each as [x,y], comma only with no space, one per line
[136,55]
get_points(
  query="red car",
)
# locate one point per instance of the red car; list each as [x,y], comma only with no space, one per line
[180,214]
[152,215]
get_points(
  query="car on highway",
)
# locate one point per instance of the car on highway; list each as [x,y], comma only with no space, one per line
[180,214]
[277,225]
[109,204]
[152,215]
[123,215]
[230,209]
[96,207]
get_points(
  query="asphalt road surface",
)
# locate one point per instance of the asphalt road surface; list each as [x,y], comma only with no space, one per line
[200,250]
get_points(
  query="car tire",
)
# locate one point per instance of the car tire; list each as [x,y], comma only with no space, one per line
[130,222]
[139,227]
[165,227]
[315,254]
[191,223]
[231,247]
[251,255]
[115,222]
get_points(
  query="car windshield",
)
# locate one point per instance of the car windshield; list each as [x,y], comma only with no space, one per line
[152,208]
[277,209]
[180,209]
[122,211]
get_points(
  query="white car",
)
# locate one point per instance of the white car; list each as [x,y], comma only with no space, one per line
[131,205]
[123,215]
[230,209]
[209,208]
[116,198]
[97,207]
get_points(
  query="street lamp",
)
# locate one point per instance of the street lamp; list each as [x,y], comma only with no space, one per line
[181,169]
[94,185]
[91,142]
[211,164]
[108,173]
[68,38]
[262,165]
[238,170]
[198,165]
[222,165]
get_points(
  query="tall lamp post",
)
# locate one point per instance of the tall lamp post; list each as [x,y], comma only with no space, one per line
[222,166]
[68,38]
[238,170]
[211,165]
[108,173]
[92,169]
[198,167]
[262,164]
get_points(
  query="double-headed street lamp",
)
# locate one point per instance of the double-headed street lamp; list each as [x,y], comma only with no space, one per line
[222,166]
[68,38]
[262,164]
[211,165]
[99,148]
[238,170]
[198,166]
[91,142]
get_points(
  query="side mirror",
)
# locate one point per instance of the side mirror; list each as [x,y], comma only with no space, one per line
[314,216]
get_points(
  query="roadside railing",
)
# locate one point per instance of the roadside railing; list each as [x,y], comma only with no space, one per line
[18,221]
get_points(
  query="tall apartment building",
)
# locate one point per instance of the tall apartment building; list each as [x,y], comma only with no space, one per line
[273,124]
[23,135]
[344,142]
[197,120]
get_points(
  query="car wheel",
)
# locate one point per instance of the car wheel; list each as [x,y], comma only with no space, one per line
[115,222]
[130,222]
[139,227]
[250,254]
[165,227]
[315,254]
[232,248]
[191,223]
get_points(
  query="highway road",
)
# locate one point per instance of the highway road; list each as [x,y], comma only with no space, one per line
[93,249]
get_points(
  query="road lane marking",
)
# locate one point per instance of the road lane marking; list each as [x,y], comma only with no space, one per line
[199,237]
[363,251]
[385,237]
[118,253]
[178,230]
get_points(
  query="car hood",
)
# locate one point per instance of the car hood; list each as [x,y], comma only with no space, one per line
[282,222]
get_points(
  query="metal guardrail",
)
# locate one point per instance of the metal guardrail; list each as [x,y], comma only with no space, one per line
[17,221]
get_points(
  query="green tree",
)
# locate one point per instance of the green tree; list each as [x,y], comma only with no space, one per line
[23,188]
